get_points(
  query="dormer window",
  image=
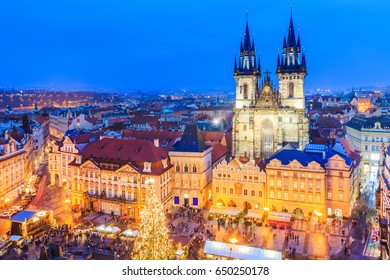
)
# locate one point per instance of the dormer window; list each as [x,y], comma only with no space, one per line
[164,163]
[147,167]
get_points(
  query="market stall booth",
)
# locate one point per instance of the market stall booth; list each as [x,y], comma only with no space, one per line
[224,213]
[279,220]
[107,230]
[255,216]
[32,222]
[221,250]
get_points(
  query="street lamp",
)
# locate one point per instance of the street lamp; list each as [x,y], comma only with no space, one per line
[233,240]
[67,202]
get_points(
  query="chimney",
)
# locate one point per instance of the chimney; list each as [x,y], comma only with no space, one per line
[156,142]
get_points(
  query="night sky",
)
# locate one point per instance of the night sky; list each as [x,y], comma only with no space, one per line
[118,45]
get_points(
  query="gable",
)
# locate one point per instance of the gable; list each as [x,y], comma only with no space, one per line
[89,164]
[127,169]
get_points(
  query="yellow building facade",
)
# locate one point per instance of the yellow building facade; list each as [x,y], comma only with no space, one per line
[239,185]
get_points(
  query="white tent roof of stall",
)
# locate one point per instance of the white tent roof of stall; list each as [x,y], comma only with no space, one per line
[280,217]
[107,229]
[254,214]
[239,251]
[129,232]
[230,211]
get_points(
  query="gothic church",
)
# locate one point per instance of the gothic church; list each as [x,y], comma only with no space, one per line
[265,118]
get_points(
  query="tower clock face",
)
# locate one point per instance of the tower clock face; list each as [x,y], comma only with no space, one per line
[267,89]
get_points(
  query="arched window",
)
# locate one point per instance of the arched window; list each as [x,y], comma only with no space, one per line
[186,168]
[291,90]
[194,169]
[245,91]
[244,127]
[177,168]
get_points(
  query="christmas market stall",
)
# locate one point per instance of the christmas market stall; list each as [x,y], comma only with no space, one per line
[255,216]
[224,213]
[32,222]
[279,220]
[220,250]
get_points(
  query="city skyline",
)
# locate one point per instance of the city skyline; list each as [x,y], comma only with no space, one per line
[91,45]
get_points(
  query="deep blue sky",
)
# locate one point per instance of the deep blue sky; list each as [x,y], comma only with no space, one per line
[115,44]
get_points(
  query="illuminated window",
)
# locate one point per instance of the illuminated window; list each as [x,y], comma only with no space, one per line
[295,196]
[279,195]
[272,194]
[285,196]
[329,195]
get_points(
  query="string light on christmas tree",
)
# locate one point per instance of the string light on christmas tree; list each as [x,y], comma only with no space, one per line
[153,242]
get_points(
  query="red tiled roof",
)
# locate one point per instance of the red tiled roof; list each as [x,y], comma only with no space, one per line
[41,119]
[85,138]
[165,137]
[219,151]
[125,150]
[144,119]
[91,120]
[327,122]
[212,136]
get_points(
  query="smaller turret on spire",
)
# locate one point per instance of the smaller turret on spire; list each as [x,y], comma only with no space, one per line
[247,64]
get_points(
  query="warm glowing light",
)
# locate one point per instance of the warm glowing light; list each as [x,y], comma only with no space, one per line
[141,213]
[150,181]
[219,204]
[319,214]
[233,240]
[216,121]
[35,219]
[266,209]
[67,200]
[7,199]
[41,214]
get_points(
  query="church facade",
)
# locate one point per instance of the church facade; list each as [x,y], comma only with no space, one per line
[267,118]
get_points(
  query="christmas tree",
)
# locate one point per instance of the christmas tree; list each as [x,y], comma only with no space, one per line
[153,242]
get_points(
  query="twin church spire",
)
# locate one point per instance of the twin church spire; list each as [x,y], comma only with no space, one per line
[291,60]
[247,64]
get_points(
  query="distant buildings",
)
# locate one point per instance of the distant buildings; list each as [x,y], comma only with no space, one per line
[367,135]
[15,165]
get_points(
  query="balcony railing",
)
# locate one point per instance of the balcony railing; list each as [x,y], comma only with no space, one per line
[113,198]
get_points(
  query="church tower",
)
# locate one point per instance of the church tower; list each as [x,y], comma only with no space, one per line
[291,71]
[246,72]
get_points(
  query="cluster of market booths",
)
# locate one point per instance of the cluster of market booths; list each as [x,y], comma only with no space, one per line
[222,250]
[251,216]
